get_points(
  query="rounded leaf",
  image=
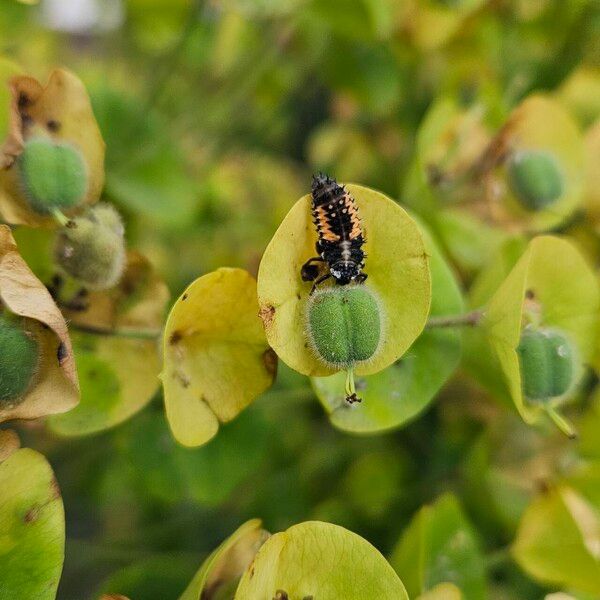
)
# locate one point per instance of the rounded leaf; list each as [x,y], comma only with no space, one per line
[216,358]
[315,559]
[397,266]
[32,527]
[118,377]
[558,541]
[551,286]
[541,193]
[394,396]
[227,563]
[61,110]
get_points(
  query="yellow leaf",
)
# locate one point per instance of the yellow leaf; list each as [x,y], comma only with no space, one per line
[216,357]
[398,270]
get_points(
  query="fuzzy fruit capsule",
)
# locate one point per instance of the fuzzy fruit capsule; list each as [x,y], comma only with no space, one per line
[344,325]
[19,359]
[92,248]
[548,364]
[535,179]
[53,175]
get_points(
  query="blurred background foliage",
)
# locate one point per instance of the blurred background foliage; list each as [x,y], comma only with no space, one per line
[215,113]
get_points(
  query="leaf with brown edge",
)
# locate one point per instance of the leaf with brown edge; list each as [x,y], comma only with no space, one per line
[216,357]
[113,597]
[55,387]
[60,110]
[225,566]
[9,443]
[137,302]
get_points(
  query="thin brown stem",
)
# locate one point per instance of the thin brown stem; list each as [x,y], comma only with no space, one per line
[471,319]
[141,334]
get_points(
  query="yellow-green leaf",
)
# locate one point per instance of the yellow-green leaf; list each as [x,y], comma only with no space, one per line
[225,566]
[321,560]
[561,289]
[440,546]
[216,358]
[398,270]
[558,541]
[527,130]
[62,111]
[118,377]
[32,528]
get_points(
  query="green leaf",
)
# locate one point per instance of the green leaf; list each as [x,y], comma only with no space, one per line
[558,541]
[32,528]
[163,470]
[398,270]
[216,358]
[394,396]
[321,560]
[118,377]
[228,562]
[440,546]
[562,293]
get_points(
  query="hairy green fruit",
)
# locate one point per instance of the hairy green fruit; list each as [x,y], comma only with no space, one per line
[19,356]
[548,364]
[535,179]
[92,248]
[53,175]
[344,324]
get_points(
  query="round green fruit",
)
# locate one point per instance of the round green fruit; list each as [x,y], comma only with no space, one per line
[548,364]
[535,179]
[344,325]
[91,249]
[19,357]
[53,175]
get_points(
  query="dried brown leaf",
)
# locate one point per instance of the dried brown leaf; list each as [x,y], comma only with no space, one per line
[55,388]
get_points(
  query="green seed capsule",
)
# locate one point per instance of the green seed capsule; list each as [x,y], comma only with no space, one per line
[53,175]
[548,364]
[344,324]
[92,248]
[19,357]
[535,179]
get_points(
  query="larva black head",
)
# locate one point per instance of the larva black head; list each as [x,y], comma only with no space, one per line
[320,181]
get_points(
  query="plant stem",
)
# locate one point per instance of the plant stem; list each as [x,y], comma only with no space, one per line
[561,423]
[60,218]
[471,319]
[140,334]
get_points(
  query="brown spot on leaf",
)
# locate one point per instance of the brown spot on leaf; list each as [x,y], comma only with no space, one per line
[175,338]
[267,314]
[270,360]
[53,125]
[32,514]
[54,489]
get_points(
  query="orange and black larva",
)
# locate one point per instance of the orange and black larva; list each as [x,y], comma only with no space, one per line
[341,238]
